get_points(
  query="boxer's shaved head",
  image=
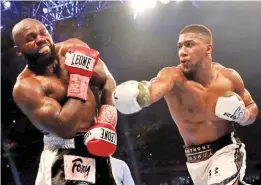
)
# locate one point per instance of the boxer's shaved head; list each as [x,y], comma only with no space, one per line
[200,31]
[33,41]
[21,27]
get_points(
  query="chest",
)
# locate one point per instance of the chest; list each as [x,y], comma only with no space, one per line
[191,98]
[55,86]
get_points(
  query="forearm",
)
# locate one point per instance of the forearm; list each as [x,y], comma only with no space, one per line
[156,89]
[70,110]
[106,92]
[68,117]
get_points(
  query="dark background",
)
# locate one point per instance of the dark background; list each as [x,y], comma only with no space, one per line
[136,49]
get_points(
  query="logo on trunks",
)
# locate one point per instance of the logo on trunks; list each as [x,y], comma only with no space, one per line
[216,173]
[197,149]
[108,136]
[237,114]
[82,61]
[78,166]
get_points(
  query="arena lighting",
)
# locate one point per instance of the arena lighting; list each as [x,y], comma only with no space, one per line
[140,6]
[51,11]
[164,1]
[7,4]
[45,10]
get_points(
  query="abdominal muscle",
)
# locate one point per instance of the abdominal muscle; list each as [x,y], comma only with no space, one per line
[195,133]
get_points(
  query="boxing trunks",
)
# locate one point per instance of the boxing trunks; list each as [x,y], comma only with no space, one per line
[217,163]
[67,162]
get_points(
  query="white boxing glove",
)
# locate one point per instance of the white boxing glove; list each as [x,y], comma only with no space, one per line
[129,97]
[230,107]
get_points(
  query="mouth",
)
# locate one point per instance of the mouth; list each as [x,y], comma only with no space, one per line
[184,61]
[44,49]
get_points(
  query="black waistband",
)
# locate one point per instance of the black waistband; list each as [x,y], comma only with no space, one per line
[204,151]
[81,148]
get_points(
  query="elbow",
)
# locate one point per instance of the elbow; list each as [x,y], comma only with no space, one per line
[66,134]
[65,130]
[255,112]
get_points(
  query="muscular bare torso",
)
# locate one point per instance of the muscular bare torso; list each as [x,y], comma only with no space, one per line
[192,107]
[55,86]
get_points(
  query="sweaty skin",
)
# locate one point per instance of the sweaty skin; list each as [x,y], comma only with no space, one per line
[191,91]
[41,88]
[192,106]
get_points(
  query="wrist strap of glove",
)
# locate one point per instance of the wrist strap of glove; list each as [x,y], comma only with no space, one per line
[108,114]
[78,86]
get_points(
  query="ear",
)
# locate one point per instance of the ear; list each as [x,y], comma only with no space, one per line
[209,49]
[18,52]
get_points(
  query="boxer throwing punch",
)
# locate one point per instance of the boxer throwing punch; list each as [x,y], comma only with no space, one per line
[203,98]
[54,92]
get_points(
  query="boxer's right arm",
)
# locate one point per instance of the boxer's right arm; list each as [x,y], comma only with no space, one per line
[159,86]
[131,96]
[45,112]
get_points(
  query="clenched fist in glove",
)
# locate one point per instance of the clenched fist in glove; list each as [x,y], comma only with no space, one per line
[80,62]
[130,97]
[232,108]
[101,139]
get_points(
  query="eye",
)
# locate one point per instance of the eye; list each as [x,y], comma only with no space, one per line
[29,38]
[189,44]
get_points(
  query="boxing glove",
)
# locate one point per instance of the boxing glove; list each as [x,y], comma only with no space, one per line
[80,62]
[130,97]
[231,107]
[101,139]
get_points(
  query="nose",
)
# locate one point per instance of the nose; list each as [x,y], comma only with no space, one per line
[40,40]
[182,52]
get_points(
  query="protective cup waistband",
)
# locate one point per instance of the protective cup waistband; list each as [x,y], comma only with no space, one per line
[57,142]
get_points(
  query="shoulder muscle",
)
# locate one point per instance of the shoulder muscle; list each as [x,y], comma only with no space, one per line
[27,93]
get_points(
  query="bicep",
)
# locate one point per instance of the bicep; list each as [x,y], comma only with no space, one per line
[40,109]
[45,116]
[240,89]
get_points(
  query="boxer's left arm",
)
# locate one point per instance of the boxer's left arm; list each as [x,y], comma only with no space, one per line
[101,78]
[239,88]
[107,118]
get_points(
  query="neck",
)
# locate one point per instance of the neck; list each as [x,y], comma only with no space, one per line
[203,74]
[44,69]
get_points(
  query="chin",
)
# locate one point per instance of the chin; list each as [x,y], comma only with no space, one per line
[45,58]
[186,70]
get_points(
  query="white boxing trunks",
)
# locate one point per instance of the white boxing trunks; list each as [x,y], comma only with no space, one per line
[67,162]
[217,163]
